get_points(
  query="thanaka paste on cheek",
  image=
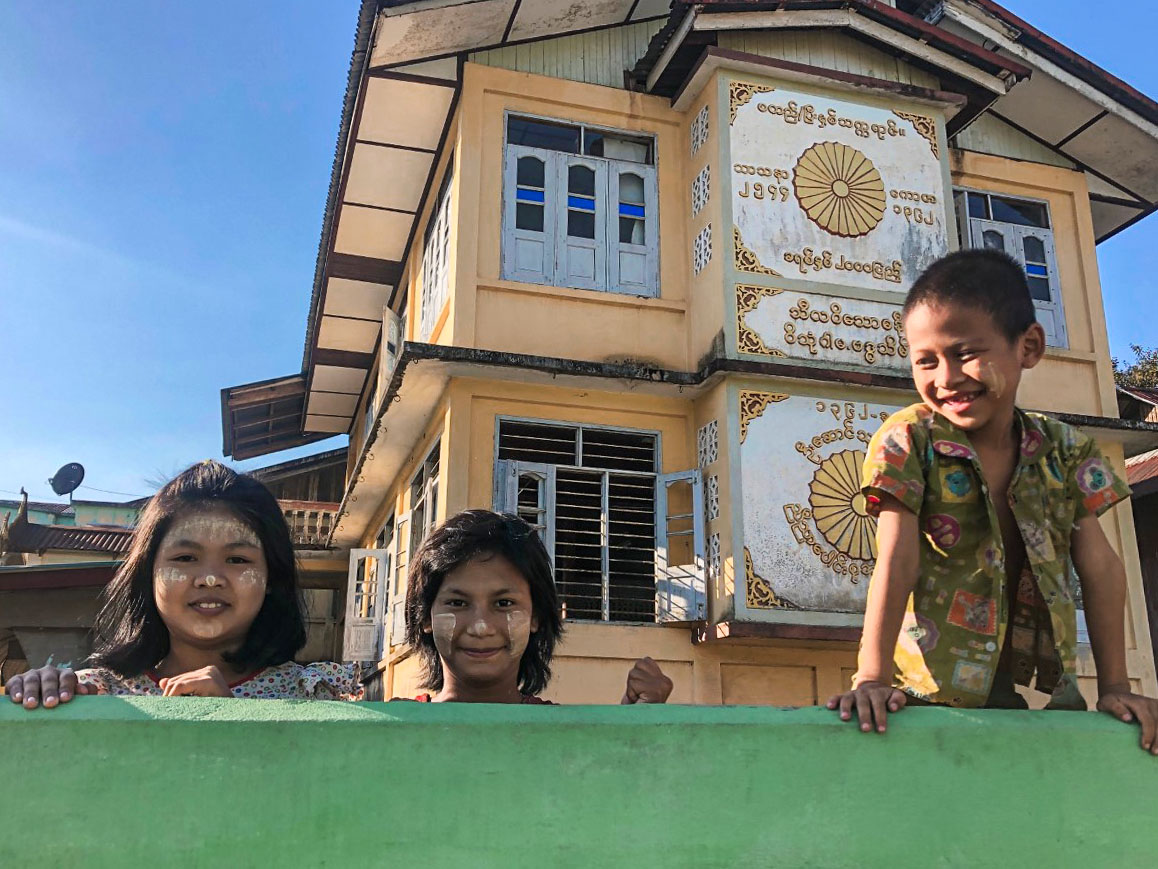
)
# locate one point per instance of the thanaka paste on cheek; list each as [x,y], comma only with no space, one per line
[169,575]
[518,632]
[252,576]
[993,379]
[443,626]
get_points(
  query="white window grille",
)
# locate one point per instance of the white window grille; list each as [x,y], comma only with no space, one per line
[701,190]
[1022,229]
[698,132]
[702,249]
[580,208]
[436,259]
[592,494]
[708,443]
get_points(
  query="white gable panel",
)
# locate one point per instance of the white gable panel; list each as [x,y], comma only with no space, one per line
[1101,187]
[348,298]
[373,232]
[1108,217]
[331,404]
[1046,107]
[387,177]
[335,378]
[651,9]
[404,113]
[333,424]
[544,17]
[1120,151]
[445,68]
[433,30]
[338,333]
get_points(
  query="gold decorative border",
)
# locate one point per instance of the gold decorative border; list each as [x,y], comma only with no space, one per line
[741,93]
[753,405]
[745,259]
[926,127]
[758,592]
[748,298]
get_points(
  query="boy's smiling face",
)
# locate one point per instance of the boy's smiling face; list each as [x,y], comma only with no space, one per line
[965,368]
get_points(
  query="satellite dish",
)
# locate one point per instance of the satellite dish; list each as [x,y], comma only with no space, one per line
[65,481]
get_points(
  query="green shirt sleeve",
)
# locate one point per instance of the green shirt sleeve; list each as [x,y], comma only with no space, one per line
[1091,480]
[894,464]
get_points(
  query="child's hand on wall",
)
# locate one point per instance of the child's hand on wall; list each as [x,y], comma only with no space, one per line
[1127,706]
[646,683]
[48,686]
[873,702]
[206,682]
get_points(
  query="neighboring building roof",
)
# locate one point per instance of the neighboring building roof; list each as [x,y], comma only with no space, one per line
[264,417]
[31,537]
[1150,396]
[1136,403]
[1141,468]
[41,507]
[44,576]
[297,466]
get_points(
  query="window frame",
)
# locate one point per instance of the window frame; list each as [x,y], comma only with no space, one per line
[695,589]
[435,268]
[1055,308]
[553,267]
[427,501]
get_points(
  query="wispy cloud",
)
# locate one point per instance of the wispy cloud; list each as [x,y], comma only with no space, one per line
[94,253]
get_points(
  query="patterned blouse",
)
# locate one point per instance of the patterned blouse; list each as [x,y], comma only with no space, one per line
[322,680]
[958,616]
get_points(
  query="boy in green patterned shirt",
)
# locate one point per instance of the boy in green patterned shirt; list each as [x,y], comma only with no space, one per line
[984,514]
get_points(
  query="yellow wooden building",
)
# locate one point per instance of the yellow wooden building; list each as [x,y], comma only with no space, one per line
[635,271]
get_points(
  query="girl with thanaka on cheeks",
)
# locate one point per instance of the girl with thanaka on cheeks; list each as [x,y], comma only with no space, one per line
[482,614]
[206,603]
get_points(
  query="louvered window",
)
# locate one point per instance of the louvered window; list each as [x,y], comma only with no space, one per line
[424,498]
[436,259]
[592,493]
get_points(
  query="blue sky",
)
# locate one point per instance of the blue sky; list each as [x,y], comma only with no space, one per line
[163,171]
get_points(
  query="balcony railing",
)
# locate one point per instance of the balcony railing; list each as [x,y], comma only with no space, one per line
[310,522]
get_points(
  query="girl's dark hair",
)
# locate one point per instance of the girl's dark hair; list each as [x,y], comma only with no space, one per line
[982,278]
[456,541]
[128,634]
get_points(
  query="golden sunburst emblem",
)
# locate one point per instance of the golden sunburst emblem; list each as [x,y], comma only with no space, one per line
[839,189]
[839,508]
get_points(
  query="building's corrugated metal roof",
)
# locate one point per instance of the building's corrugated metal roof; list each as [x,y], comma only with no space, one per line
[1150,396]
[40,506]
[32,537]
[1142,467]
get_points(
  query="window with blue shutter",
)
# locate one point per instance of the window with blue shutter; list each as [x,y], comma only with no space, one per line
[579,207]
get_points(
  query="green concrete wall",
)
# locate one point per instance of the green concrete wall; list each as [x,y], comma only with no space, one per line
[110,781]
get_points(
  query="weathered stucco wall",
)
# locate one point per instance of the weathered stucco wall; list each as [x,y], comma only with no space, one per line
[207,782]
